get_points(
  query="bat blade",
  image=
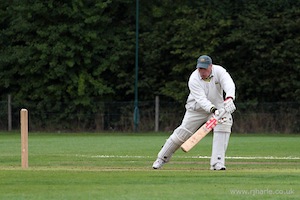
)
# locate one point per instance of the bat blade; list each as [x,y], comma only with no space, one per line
[201,133]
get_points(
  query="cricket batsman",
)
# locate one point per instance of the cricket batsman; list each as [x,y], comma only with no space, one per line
[211,89]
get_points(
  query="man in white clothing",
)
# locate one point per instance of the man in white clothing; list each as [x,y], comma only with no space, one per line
[211,88]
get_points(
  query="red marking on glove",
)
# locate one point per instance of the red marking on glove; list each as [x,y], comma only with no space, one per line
[228,98]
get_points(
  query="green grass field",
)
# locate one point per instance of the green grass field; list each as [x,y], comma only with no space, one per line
[119,166]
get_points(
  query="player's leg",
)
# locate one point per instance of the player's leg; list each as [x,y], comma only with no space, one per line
[220,142]
[191,121]
[179,135]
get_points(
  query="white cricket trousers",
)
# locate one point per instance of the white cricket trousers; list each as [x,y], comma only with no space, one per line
[192,120]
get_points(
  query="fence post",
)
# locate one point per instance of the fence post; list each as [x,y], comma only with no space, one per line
[156,113]
[9,121]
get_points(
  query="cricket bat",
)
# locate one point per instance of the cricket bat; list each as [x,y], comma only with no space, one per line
[201,132]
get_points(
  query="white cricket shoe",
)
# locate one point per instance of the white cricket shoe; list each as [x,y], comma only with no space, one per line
[158,163]
[218,166]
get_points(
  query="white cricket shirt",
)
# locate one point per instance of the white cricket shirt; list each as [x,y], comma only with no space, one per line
[206,94]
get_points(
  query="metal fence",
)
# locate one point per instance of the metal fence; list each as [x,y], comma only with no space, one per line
[275,117]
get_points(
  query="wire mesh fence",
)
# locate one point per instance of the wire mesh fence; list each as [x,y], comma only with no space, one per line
[278,117]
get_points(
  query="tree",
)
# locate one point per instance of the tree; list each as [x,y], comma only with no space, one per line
[261,49]
[61,57]
[67,57]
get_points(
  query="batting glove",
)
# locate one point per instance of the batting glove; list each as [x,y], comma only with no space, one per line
[217,116]
[229,105]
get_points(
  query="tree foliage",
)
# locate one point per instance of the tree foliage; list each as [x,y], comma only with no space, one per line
[64,56]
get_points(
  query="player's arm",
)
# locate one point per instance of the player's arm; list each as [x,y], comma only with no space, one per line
[198,93]
[229,89]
